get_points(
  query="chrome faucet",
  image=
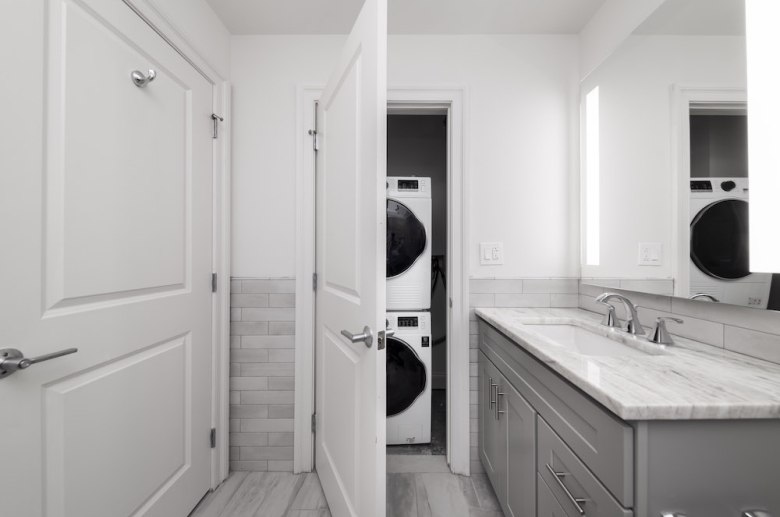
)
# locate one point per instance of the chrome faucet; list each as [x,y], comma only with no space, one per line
[633,325]
[660,335]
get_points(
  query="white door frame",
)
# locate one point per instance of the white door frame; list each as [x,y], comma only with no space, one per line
[220,407]
[683,98]
[406,99]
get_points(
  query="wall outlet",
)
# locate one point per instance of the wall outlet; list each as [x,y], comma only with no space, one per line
[491,253]
[649,253]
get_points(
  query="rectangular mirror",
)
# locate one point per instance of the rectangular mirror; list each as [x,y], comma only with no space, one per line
[665,176]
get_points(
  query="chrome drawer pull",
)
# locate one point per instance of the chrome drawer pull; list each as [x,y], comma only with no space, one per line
[576,501]
[756,513]
[492,400]
[498,404]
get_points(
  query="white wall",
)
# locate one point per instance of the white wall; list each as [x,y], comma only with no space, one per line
[605,31]
[635,88]
[202,29]
[522,135]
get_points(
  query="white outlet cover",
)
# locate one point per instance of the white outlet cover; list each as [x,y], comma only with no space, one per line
[650,254]
[491,253]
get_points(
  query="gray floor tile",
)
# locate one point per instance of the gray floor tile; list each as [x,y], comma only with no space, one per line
[310,496]
[401,495]
[449,495]
[485,493]
[213,504]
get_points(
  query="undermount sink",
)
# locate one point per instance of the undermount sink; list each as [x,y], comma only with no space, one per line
[585,342]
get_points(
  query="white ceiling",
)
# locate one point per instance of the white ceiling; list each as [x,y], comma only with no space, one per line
[697,18]
[408,16]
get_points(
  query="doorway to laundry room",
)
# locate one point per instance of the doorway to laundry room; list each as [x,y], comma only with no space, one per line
[417,235]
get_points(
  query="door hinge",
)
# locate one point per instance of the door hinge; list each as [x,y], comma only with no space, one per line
[213,282]
[214,119]
[313,133]
[213,437]
[314,422]
[314,281]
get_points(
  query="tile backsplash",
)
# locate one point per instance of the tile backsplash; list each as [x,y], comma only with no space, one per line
[752,332]
[503,292]
[262,373]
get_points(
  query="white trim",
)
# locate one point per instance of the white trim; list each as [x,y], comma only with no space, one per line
[221,232]
[683,97]
[303,441]
[454,100]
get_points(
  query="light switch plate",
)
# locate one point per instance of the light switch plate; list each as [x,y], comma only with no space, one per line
[649,253]
[491,253]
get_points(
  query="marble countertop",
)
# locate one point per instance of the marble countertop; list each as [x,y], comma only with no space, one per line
[686,381]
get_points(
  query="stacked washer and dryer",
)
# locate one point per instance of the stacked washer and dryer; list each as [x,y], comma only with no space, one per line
[719,244]
[409,358]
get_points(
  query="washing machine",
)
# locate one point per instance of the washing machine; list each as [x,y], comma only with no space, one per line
[409,243]
[719,244]
[409,378]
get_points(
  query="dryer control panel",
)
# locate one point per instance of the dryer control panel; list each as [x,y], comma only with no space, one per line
[409,186]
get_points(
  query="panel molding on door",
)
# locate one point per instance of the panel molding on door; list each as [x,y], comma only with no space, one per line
[92,253]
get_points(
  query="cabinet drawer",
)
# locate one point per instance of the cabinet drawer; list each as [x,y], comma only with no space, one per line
[546,504]
[601,440]
[577,482]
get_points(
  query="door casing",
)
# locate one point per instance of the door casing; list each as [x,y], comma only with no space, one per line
[417,99]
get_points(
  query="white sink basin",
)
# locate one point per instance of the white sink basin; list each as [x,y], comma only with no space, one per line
[585,342]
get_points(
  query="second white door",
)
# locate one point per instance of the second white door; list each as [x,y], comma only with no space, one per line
[350,373]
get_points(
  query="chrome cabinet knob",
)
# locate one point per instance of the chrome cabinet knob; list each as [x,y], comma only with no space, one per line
[141,80]
[366,337]
[12,359]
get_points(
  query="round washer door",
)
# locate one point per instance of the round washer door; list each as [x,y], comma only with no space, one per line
[405,238]
[719,239]
[406,376]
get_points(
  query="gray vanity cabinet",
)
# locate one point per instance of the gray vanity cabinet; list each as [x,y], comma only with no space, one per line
[488,426]
[507,441]
[552,451]
[517,436]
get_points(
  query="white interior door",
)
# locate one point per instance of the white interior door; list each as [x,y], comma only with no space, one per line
[107,245]
[351,169]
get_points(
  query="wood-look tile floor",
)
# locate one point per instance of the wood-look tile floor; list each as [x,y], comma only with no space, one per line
[417,486]
[265,494]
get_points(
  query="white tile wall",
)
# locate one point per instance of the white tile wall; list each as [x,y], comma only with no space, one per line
[752,332]
[262,374]
[499,292]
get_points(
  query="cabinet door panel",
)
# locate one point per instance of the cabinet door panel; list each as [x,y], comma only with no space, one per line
[517,435]
[487,421]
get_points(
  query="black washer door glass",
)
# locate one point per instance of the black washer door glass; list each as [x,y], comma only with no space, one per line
[719,239]
[405,238]
[406,376]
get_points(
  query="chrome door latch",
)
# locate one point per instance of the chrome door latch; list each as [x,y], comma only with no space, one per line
[382,338]
[12,359]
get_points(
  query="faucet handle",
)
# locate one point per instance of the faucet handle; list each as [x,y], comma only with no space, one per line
[610,318]
[660,335]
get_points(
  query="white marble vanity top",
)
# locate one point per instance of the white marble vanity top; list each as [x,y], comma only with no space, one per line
[686,381]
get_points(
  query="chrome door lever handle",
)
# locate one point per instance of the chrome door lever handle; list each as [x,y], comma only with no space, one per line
[140,80]
[389,332]
[12,359]
[366,337]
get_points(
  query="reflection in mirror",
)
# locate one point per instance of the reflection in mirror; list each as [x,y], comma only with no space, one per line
[666,182]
